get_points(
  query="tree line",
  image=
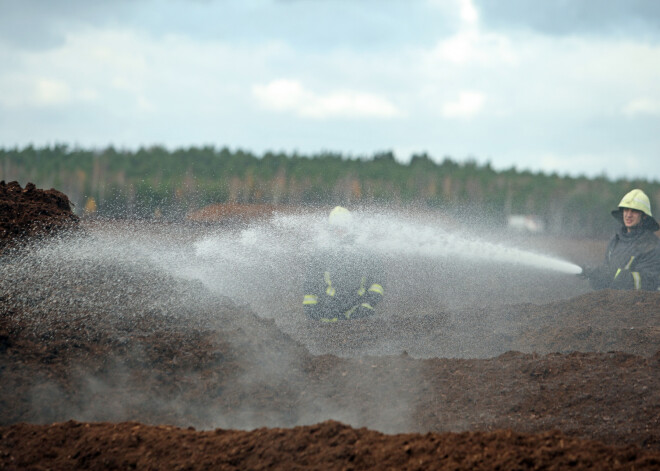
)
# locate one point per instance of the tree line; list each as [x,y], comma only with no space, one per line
[156,182]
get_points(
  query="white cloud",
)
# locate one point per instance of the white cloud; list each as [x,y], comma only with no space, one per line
[459,48]
[470,44]
[473,47]
[462,10]
[23,90]
[281,95]
[123,72]
[468,12]
[87,66]
[290,96]
[51,92]
[468,105]
[88,94]
[642,106]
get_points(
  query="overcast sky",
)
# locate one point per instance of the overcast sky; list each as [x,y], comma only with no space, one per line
[571,86]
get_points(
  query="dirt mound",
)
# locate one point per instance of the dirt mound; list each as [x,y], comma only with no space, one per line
[328,445]
[31,212]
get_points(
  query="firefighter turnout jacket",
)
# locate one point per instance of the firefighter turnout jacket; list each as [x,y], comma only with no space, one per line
[342,285]
[632,262]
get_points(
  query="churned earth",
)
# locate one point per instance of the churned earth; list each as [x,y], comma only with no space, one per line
[30,213]
[120,366]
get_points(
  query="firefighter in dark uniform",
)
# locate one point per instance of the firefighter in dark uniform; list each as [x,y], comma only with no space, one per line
[342,283]
[632,260]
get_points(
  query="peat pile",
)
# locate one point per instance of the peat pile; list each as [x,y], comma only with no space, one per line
[328,445]
[31,212]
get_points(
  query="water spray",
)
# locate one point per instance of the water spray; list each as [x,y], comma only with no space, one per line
[384,234]
[262,264]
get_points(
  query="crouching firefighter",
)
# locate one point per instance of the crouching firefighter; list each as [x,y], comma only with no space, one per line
[342,282]
[632,260]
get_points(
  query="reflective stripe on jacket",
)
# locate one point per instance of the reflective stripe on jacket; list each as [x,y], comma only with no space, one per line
[632,261]
[342,285]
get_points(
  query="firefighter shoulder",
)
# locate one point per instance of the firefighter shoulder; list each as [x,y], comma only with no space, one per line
[632,260]
[342,284]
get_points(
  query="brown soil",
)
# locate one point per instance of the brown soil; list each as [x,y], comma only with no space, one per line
[95,378]
[31,212]
[328,445]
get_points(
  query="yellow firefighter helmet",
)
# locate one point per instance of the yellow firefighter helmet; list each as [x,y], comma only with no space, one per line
[340,216]
[637,199]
